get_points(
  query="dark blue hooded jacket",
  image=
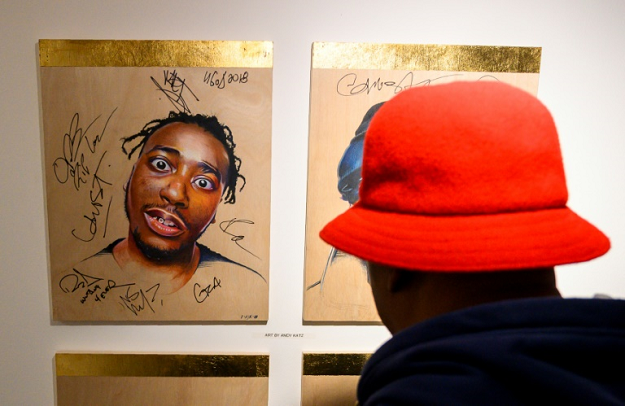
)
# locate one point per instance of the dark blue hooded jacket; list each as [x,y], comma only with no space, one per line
[520,352]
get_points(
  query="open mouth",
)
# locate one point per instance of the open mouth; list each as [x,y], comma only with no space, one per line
[164,223]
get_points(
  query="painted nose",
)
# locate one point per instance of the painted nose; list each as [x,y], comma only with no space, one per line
[175,193]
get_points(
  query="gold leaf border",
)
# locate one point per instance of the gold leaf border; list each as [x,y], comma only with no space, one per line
[457,58]
[147,53]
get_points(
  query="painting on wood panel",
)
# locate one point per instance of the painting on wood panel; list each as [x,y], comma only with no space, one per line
[349,82]
[331,379]
[161,379]
[157,171]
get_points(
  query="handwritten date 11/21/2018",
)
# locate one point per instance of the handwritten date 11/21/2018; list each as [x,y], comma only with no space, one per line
[219,80]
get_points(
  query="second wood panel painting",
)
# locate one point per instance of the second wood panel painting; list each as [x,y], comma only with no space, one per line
[349,82]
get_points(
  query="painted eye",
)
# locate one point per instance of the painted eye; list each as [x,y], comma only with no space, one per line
[161,165]
[204,183]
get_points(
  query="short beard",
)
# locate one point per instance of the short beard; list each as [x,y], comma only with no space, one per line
[155,253]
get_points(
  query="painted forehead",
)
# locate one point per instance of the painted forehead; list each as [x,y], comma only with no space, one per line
[190,142]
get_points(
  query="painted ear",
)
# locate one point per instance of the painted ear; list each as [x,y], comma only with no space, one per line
[132,172]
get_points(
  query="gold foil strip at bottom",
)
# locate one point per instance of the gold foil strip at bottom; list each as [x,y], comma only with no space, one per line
[69,364]
[334,364]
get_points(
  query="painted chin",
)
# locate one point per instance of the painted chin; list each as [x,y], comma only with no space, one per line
[163,223]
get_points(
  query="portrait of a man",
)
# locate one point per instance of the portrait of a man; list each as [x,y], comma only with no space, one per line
[158,179]
[186,167]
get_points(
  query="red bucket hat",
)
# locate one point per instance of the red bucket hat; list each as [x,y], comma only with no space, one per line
[465,176]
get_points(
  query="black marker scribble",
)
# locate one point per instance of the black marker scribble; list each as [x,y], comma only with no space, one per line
[173,88]
[97,289]
[351,85]
[201,294]
[72,163]
[77,280]
[96,195]
[80,155]
[225,225]
[140,300]
[88,286]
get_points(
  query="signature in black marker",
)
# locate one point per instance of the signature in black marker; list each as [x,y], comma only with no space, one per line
[351,85]
[71,282]
[88,286]
[201,294]
[97,197]
[225,226]
[72,163]
[80,153]
[139,300]
[173,88]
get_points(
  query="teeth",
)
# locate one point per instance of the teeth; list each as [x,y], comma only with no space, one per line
[168,223]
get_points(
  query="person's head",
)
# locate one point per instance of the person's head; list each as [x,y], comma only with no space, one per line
[464,178]
[350,165]
[186,164]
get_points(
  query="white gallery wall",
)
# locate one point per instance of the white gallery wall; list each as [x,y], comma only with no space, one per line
[582,81]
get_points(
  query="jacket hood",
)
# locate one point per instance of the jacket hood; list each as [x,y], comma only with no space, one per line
[533,351]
